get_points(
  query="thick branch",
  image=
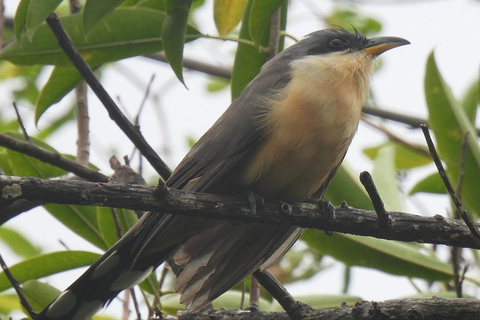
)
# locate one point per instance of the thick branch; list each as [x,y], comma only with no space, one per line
[404,227]
[399,309]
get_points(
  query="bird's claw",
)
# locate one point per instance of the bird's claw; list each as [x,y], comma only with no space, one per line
[255,201]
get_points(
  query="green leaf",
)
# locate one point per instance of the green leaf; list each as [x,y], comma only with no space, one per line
[348,17]
[346,186]
[38,11]
[248,60]
[216,84]
[47,264]
[9,303]
[173,33]
[431,184]
[55,124]
[95,10]
[385,175]
[106,224]
[126,32]
[18,243]
[405,157]
[80,219]
[150,284]
[20,17]
[450,123]
[227,14]
[60,83]
[113,38]
[471,100]
[260,16]
[19,164]
[39,294]
[388,256]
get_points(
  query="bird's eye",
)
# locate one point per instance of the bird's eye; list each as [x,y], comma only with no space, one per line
[338,43]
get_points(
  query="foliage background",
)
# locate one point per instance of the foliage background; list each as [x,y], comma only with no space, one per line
[447,26]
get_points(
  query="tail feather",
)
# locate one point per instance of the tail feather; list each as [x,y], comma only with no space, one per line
[214,256]
[117,270]
[222,263]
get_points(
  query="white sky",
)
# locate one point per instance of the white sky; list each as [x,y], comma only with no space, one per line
[449,27]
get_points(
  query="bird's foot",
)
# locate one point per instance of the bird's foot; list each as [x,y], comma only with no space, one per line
[325,206]
[256,201]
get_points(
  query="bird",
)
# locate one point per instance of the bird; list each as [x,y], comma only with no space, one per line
[282,139]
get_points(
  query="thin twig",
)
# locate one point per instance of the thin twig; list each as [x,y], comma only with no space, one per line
[242,298]
[457,252]
[19,119]
[83,124]
[125,303]
[145,97]
[367,181]
[461,173]
[274,38]
[254,292]
[276,289]
[115,114]
[2,21]
[441,170]
[396,138]
[18,289]
[161,281]
[196,65]
[118,228]
[135,304]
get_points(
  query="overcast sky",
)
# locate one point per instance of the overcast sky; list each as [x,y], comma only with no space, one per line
[451,28]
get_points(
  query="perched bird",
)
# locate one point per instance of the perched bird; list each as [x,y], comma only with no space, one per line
[283,138]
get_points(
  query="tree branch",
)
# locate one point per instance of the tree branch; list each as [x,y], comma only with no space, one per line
[399,309]
[114,112]
[404,226]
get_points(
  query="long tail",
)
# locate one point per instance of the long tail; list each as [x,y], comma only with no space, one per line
[115,271]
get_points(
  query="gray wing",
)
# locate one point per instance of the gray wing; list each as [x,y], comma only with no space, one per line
[232,136]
